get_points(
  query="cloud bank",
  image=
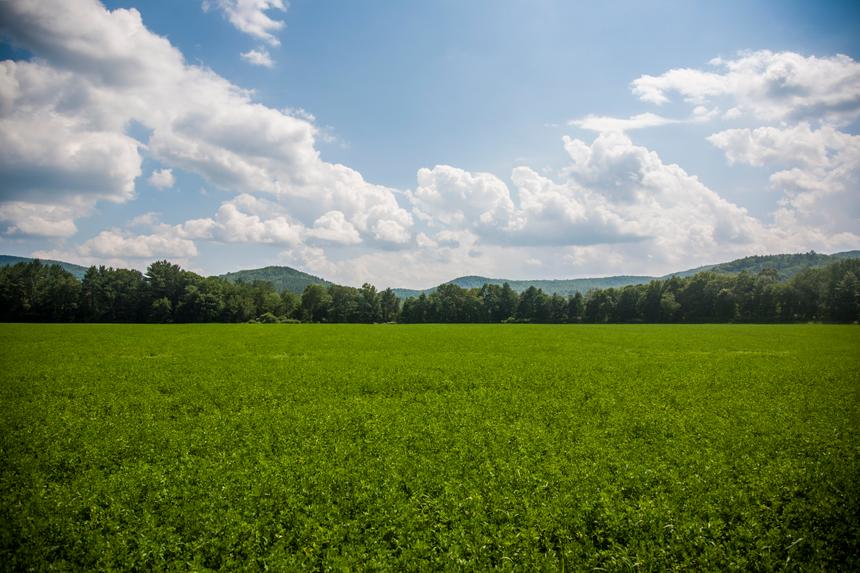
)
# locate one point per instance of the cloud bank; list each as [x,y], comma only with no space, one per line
[66,118]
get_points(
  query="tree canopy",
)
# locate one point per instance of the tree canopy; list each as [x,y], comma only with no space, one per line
[35,292]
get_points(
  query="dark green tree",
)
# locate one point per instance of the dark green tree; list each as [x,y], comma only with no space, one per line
[575,307]
[369,306]
[390,305]
[315,303]
[344,306]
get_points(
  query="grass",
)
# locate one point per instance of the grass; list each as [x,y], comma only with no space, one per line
[429,447]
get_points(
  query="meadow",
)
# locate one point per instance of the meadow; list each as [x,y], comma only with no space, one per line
[429,447]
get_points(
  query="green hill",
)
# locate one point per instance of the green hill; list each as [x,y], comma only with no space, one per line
[787,265]
[282,278]
[286,278]
[564,287]
[77,270]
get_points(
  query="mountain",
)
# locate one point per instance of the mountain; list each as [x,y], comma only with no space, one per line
[786,265]
[564,287]
[77,270]
[282,278]
[286,278]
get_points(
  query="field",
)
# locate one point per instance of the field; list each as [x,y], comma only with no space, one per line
[431,447]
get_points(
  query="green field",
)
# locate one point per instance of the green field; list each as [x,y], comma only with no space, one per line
[431,447]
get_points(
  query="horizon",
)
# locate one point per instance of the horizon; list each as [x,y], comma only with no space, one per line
[460,277]
[360,144]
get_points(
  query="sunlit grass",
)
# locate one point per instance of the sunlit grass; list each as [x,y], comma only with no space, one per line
[429,447]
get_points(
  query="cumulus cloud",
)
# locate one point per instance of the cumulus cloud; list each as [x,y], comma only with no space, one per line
[423,241]
[657,200]
[65,118]
[246,219]
[767,85]
[250,16]
[235,226]
[616,202]
[612,192]
[562,213]
[116,244]
[334,227]
[162,179]
[258,57]
[616,205]
[452,196]
[24,218]
[800,144]
[64,147]
[148,219]
[815,166]
[391,232]
[314,259]
[123,248]
[818,173]
[48,149]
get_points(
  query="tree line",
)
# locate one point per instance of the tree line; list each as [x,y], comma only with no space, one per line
[34,292]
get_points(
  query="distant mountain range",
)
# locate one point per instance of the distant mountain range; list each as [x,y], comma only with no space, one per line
[562,286]
[286,278]
[785,265]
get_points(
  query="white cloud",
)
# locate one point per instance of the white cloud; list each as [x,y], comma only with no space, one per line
[552,213]
[796,144]
[148,219]
[233,225]
[392,232]
[400,267]
[64,148]
[452,196]
[196,229]
[313,259]
[258,57]
[333,227]
[162,179]
[53,158]
[65,119]
[300,113]
[250,16]
[613,192]
[243,219]
[115,244]
[425,242]
[24,218]
[656,200]
[767,85]
[818,173]
[605,123]
[48,150]
[614,197]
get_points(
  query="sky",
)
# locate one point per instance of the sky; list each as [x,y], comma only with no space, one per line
[408,143]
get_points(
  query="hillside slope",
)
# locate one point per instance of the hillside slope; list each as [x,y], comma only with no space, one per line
[77,270]
[282,278]
[786,265]
[564,287]
[287,278]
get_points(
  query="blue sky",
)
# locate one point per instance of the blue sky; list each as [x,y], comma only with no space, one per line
[406,143]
